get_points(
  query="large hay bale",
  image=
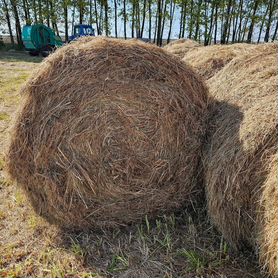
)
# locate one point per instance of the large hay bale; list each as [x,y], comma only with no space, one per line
[109,131]
[242,137]
[180,47]
[268,215]
[208,60]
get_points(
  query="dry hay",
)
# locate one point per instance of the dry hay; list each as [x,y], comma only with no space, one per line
[110,131]
[241,139]
[180,47]
[268,233]
[208,60]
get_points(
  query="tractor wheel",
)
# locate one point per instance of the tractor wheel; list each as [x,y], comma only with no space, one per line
[45,53]
[34,53]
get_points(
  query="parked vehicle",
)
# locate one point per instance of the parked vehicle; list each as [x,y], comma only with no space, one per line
[40,39]
[82,30]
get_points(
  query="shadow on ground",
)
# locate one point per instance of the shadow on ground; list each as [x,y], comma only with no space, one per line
[18,56]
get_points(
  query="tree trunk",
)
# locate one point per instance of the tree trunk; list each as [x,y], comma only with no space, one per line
[155,29]
[106,7]
[251,27]
[240,21]
[163,21]
[144,18]
[53,18]
[26,13]
[236,22]
[159,21]
[274,37]
[150,20]
[226,24]
[47,13]
[34,6]
[133,19]
[65,6]
[96,15]
[245,26]
[81,11]
[90,12]
[210,25]
[215,27]
[272,4]
[124,14]
[181,20]
[17,23]
[101,19]
[191,19]
[137,22]
[116,19]
[172,12]
[7,15]
[198,20]
[184,19]
[262,24]
[230,24]
[206,24]
[40,12]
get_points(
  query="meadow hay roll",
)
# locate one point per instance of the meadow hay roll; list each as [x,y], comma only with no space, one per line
[241,140]
[110,131]
[180,47]
[268,217]
[208,60]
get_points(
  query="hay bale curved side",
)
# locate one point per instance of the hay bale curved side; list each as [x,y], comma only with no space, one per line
[110,131]
[241,138]
[180,47]
[268,216]
[208,60]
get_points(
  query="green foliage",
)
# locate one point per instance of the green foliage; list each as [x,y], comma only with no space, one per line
[197,18]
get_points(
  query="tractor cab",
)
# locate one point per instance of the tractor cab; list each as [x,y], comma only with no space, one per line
[81,30]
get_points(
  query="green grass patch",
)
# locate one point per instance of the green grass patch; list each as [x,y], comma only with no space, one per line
[4,117]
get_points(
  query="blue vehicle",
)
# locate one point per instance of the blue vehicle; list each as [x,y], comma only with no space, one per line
[81,30]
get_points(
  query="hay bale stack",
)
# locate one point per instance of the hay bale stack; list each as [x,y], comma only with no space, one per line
[208,60]
[241,139]
[268,214]
[109,131]
[180,47]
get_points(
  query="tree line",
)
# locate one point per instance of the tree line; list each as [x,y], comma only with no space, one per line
[206,21]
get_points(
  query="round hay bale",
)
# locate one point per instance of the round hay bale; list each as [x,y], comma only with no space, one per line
[180,47]
[268,217]
[110,131]
[208,60]
[241,138]
[179,41]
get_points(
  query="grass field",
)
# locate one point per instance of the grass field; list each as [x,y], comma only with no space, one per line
[183,245]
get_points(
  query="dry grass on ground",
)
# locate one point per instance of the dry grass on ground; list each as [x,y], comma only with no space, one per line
[182,245]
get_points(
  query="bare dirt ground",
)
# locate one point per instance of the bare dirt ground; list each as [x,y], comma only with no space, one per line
[183,245]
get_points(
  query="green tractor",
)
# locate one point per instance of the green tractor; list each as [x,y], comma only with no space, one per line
[40,39]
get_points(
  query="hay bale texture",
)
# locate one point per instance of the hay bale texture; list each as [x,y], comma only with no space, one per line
[180,47]
[268,215]
[208,60]
[110,131]
[241,140]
